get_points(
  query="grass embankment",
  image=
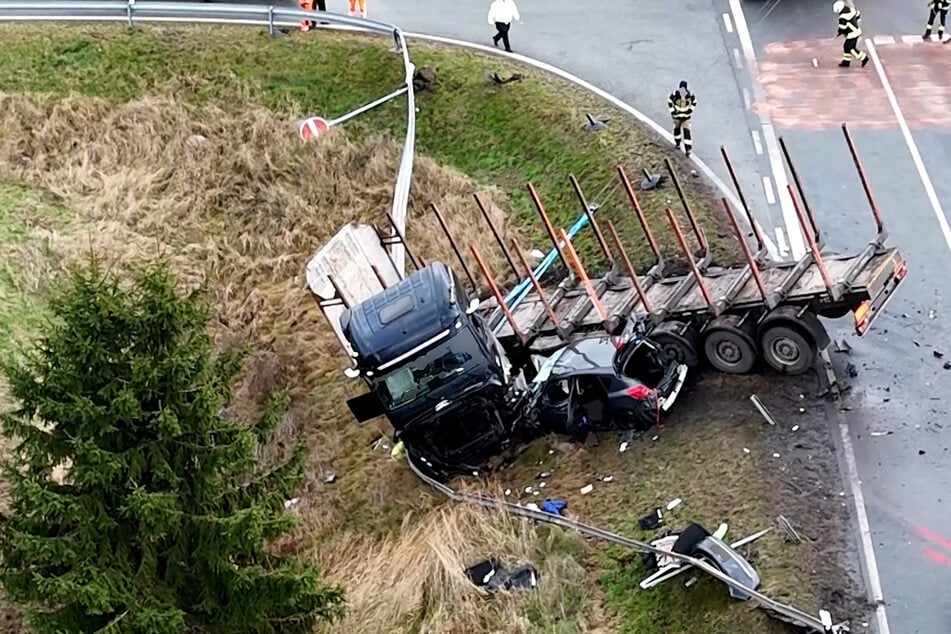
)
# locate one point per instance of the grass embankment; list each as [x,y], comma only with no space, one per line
[181,142]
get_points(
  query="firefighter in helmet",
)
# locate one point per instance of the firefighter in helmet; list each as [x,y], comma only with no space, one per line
[937,8]
[850,25]
[681,104]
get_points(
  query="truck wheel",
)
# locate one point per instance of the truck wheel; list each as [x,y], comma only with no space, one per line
[729,347]
[679,342]
[788,350]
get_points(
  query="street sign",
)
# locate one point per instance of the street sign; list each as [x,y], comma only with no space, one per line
[312,128]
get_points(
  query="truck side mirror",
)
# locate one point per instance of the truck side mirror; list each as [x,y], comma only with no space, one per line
[473,306]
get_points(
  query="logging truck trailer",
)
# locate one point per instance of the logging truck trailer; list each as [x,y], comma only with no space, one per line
[726,317]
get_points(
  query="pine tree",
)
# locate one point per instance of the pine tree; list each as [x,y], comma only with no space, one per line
[162,520]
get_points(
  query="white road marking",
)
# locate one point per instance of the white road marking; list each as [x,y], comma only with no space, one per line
[883,39]
[757,144]
[797,241]
[746,99]
[781,240]
[614,101]
[736,58]
[768,189]
[911,39]
[727,23]
[912,147]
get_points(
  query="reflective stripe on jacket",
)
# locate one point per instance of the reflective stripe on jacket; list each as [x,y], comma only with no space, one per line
[850,23]
[939,5]
[681,107]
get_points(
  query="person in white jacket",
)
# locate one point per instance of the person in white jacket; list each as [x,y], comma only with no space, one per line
[501,14]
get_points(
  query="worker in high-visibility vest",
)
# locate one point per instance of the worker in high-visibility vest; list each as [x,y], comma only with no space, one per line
[937,8]
[309,5]
[681,104]
[850,25]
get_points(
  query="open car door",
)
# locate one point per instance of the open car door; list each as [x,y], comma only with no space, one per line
[365,407]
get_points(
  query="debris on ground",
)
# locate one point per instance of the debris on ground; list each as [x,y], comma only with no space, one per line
[775,455]
[555,507]
[795,428]
[495,79]
[843,346]
[532,506]
[746,450]
[381,443]
[937,355]
[852,370]
[623,447]
[291,503]
[932,313]
[593,124]
[690,582]
[651,181]
[786,525]
[947,365]
[651,521]
[921,452]
[586,489]
[762,409]
[887,432]
[330,477]
[424,79]
[605,478]
[491,575]
[674,504]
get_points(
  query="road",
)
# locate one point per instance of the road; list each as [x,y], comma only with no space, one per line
[901,387]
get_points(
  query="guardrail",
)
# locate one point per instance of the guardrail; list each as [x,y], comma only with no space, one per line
[270,16]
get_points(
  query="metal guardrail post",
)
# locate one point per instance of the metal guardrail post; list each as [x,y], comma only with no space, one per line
[270,20]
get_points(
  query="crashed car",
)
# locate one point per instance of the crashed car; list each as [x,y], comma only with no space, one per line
[605,383]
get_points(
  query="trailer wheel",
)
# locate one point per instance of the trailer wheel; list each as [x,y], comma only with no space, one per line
[788,349]
[729,347]
[679,342]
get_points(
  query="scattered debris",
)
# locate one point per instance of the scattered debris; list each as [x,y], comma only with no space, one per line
[720,533]
[786,525]
[528,489]
[674,504]
[330,477]
[937,355]
[381,443]
[852,370]
[921,452]
[508,492]
[593,124]
[532,506]
[495,79]
[690,582]
[775,455]
[947,365]
[538,254]
[932,313]
[651,181]
[544,475]
[795,427]
[424,79]
[607,479]
[651,521]
[887,432]
[291,503]
[843,346]
[623,447]
[746,449]
[541,485]
[815,63]
[586,489]
[555,507]
[762,409]
[655,437]
[490,574]
[482,572]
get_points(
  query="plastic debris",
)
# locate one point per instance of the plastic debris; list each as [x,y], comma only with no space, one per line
[544,474]
[786,525]
[586,489]
[674,504]
[795,427]
[932,313]
[291,502]
[937,355]
[852,370]
[541,485]
[887,432]
[775,455]
[652,520]
[947,365]
[843,346]
[623,447]
[330,477]
[690,582]
[720,533]
[762,409]
[555,507]
[746,449]
[532,506]
[655,437]
[593,125]
[537,254]
[508,491]
[481,573]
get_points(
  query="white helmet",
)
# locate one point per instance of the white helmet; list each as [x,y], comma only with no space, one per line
[838,6]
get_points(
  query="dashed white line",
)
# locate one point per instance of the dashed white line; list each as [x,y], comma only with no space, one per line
[727,22]
[781,240]
[746,99]
[912,147]
[883,39]
[757,144]
[736,58]
[768,188]
[911,39]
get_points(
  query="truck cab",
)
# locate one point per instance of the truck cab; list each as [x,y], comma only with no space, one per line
[432,367]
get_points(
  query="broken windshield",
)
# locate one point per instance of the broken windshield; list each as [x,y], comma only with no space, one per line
[431,370]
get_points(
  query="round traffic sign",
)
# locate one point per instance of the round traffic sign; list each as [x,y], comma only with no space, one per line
[312,128]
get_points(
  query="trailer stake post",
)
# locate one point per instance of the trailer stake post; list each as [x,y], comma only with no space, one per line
[630,267]
[589,212]
[641,218]
[538,287]
[583,275]
[697,231]
[495,233]
[498,294]
[868,190]
[384,242]
[813,247]
[750,260]
[402,240]
[802,192]
[690,261]
[338,291]
[548,226]
[760,246]
[379,277]
[452,243]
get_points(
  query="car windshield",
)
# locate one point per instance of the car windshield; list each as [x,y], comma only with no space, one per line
[429,371]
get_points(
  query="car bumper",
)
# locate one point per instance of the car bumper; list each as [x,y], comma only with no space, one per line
[676,384]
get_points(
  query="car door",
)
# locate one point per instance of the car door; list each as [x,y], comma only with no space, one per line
[551,405]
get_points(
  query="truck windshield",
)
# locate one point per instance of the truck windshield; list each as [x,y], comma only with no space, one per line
[432,369]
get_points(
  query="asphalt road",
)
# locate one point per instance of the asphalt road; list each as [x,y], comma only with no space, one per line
[899,402]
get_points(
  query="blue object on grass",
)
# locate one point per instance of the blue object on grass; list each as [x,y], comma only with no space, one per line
[555,507]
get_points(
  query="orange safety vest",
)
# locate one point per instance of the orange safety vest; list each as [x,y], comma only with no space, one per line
[309,6]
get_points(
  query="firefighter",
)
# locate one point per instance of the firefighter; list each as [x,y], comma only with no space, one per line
[850,25]
[938,8]
[681,104]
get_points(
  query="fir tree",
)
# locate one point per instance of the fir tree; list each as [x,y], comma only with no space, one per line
[162,520]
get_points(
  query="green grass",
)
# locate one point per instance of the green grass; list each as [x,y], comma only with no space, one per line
[525,131]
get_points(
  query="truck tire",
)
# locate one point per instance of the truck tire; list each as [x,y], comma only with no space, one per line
[788,349]
[678,341]
[729,347]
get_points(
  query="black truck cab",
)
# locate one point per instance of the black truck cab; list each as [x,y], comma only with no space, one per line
[421,346]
